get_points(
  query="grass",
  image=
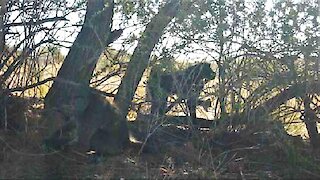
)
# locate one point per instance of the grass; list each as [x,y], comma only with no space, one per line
[259,152]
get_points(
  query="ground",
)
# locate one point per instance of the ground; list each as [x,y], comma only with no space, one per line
[248,151]
[262,151]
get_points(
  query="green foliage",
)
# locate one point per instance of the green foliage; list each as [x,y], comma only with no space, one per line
[142,9]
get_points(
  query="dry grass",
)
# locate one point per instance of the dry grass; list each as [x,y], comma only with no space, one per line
[262,151]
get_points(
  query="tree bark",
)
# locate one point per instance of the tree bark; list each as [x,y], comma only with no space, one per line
[140,57]
[81,60]
[68,100]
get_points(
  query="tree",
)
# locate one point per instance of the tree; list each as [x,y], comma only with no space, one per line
[140,58]
[81,60]
[70,95]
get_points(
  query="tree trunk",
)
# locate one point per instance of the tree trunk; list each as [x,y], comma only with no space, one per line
[311,123]
[81,60]
[140,57]
[68,99]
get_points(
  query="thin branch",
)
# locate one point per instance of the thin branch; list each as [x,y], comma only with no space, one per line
[42,21]
[30,86]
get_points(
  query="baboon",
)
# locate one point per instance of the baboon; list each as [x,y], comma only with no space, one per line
[100,117]
[100,127]
[186,84]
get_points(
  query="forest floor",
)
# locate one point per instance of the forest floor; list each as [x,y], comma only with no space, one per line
[260,151]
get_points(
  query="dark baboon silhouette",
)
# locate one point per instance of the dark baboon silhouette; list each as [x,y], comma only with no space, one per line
[186,84]
[100,128]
